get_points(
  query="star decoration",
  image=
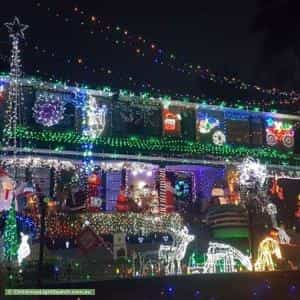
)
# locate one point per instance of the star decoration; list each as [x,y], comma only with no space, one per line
[16,29]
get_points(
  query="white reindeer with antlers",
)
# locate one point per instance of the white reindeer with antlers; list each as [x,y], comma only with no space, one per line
[172,255]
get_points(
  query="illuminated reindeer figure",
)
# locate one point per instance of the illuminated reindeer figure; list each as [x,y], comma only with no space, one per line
[225,255]
[172,255]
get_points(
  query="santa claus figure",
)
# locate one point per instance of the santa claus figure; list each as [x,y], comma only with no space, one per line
[94,200]
[8,191]
[122,201]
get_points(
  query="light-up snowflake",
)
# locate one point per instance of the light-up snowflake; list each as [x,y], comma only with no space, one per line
[252,172]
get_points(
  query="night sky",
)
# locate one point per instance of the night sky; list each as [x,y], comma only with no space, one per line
[218,35]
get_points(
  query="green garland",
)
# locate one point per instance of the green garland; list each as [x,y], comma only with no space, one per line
[155,145]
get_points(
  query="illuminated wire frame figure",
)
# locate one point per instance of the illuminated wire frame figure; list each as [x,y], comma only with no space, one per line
[252,181]
[267,248]
[95,118]
[172,255]
[146,261]
[223,257]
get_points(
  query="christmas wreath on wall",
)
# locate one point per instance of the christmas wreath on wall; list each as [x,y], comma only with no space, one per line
[182,188]
[48,109]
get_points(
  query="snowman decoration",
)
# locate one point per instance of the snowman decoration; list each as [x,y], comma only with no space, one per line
[24,249]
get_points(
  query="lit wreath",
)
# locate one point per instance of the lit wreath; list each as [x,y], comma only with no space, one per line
[48,110]
[182,188]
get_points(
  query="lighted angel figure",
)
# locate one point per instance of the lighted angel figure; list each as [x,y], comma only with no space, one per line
[24,248]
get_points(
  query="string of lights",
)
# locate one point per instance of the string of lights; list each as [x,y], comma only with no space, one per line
[147,87]
[139,145]
[66,226]
[143,47]
[15,97]
[108,72]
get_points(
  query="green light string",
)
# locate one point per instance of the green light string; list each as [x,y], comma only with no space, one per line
[145,97]
[154,145]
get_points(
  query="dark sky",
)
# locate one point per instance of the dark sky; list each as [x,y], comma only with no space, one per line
[217,35]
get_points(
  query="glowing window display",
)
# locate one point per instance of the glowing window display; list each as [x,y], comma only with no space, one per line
[279,132]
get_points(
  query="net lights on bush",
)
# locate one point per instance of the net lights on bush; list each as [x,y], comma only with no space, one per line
[48,109]
[66,226]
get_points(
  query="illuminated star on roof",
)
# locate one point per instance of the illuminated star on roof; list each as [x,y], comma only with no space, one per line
[16,29]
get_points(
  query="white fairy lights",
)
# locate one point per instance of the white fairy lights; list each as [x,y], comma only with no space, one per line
[172,255]
[37,162]
[15,95]
[252,172]
[94,119]
[223,257]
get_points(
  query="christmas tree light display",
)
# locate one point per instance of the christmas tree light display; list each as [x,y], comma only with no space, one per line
[10,236]
[15,95]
